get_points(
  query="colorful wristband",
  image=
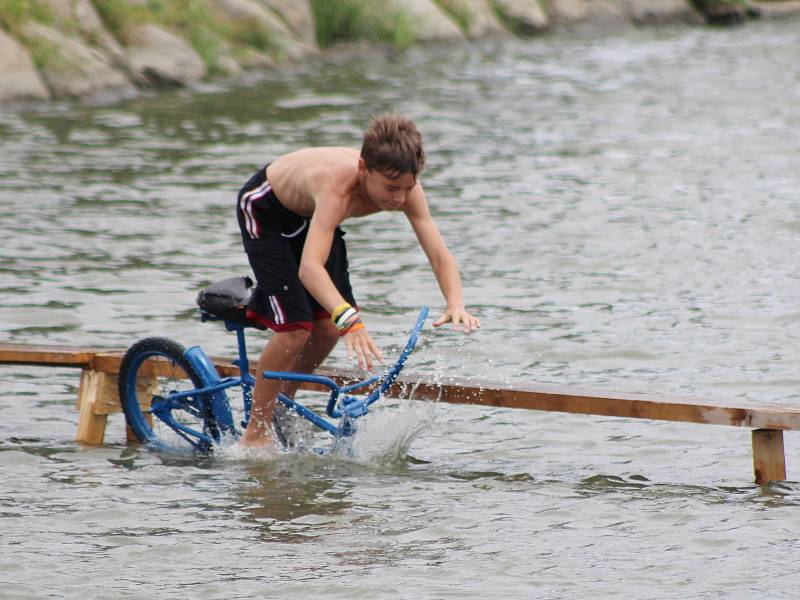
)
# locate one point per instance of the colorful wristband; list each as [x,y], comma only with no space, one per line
[353,327]
[337,312]
[346,318]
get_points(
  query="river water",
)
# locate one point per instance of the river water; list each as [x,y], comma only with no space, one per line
[624,210]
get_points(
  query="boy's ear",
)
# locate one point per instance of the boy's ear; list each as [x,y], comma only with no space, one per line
[362,166]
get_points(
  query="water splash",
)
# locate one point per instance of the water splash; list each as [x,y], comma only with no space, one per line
[385,436]
[382,437]
[234,451]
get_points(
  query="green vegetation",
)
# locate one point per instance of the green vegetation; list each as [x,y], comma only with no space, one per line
[14,13]
[218,37]
[354,20]
[511,24]
[341,21]
[404,35]
[43,54]
[121,14]
[195,23]
[209,32]
[459,12]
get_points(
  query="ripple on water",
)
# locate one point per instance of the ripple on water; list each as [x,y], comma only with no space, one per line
[622,209]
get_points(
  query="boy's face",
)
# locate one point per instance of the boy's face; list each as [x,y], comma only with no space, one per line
[388,191]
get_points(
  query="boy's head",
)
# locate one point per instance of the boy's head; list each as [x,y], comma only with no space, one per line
[391,158]
[393,146]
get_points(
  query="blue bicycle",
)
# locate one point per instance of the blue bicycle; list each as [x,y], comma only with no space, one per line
[174,399]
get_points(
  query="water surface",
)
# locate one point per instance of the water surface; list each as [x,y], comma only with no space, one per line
[624,210]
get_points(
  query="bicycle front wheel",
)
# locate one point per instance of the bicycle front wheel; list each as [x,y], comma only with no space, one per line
[154,379]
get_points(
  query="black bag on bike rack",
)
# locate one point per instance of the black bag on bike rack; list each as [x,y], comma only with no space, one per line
[227,299]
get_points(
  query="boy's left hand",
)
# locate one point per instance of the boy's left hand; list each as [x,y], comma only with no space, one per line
[460,319]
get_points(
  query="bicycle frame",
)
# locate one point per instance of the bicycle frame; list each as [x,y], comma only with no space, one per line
[341,405]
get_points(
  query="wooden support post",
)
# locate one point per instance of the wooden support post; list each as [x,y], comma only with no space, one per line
[769,462]
[97,398]
[91,425]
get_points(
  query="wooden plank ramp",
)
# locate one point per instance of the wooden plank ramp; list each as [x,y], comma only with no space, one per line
[97,398]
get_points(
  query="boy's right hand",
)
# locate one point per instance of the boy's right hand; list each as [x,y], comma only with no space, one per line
[361,347]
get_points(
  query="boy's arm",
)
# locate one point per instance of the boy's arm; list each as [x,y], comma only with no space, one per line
[312,272]
[444,265]
[314,277]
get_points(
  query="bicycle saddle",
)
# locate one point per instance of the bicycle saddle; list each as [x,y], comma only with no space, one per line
[227,300]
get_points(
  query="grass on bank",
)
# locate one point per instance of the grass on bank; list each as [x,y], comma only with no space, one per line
[458,12]
[209,32]
[357,20]
[13,13]
[119,15]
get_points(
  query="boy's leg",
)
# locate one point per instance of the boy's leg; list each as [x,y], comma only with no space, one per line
[298,351]
[280,354]
[323,340]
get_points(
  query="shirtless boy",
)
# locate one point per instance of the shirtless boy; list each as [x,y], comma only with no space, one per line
[289,214]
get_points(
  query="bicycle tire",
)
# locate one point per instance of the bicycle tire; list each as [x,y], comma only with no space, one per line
[155,367]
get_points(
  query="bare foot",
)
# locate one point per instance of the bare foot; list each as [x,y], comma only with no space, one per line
[263,440]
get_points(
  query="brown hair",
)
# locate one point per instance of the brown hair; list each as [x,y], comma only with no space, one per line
[393,145]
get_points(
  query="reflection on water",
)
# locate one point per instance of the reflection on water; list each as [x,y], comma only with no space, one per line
[623,210]
[288,501]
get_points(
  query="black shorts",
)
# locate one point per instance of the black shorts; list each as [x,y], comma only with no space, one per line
[273,239]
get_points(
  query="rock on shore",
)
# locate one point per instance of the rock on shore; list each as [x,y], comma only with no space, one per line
[18,75]
[158,57]
[110,49]
[523,17]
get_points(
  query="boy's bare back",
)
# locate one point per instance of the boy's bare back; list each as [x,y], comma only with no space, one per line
[305,177]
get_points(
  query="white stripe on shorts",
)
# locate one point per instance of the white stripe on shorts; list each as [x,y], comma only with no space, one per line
[280,318]
[246,204]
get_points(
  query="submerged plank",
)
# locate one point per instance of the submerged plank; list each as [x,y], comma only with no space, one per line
[42,354]
[484,393]
[612,404]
